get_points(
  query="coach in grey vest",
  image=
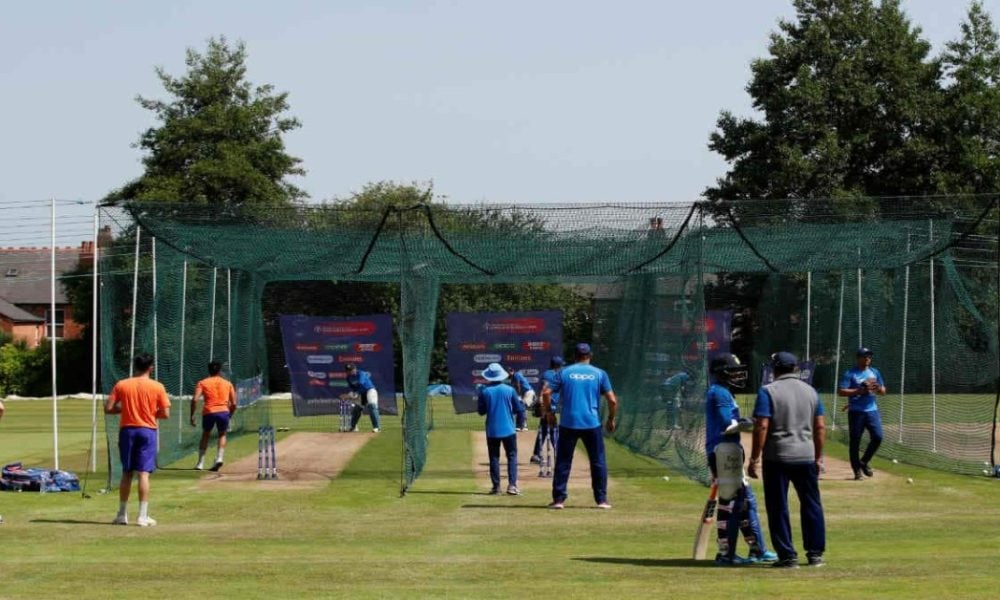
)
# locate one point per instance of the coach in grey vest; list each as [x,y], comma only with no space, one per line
[789,432]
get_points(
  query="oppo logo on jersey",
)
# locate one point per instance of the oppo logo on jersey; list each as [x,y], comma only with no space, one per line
[582,377]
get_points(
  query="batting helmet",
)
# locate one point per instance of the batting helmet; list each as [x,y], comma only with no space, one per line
[728,370]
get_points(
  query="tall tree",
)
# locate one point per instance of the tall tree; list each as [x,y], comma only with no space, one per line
[970,135]
[219,139]
[848,99]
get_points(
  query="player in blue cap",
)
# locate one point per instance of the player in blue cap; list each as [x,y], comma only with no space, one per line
[859,385]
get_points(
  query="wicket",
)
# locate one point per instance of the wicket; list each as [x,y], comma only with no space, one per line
[345,414]
[546,462]
[267,459]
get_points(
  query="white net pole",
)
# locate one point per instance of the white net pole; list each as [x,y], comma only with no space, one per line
[902,361]
[156,337]
[860,338]
[135,294]
[52,336]
[229,321]
[933,354]
[93,351]
[836,368]
[211,335]
[809,289]
[180,380]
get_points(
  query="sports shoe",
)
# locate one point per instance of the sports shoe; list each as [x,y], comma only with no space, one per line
[355,430]
[376,430]
[120,520]
[557,505]
[735,561]
[769,556]
[604,505]
[216,466]
[816,560]
[786,563]
[858,476]
[867,470]
[513,491]
[146,522]
[535,460]
[495,491]
[199,467]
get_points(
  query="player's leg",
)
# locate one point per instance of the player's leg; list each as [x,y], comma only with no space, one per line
[221,421]
[125,485]
[493,450]
[593,441]
[805,478]
[565,446]
[145,464]
[206,433]
[776,481]
[356,412]
[727,466]
[510,449]
[872,424]
[750,527]
[855,423]
[372,396]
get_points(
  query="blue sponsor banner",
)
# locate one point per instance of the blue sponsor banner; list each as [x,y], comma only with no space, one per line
[522,341]
[318,348]
[806,370]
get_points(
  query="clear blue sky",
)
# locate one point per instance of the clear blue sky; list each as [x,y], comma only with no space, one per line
[515,102]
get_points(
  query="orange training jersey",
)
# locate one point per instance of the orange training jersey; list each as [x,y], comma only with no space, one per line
[216,391]
[141,398]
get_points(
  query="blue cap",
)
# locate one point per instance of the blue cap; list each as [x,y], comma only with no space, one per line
[583,349]
[494,372]
[784,359]
[862,351]
[557,361]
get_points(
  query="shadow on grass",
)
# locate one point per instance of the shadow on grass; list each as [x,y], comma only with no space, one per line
[447,493]
[73,522]
[648,562]
[508,506]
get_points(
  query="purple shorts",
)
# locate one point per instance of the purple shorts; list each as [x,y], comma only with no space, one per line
[137,449]
[219,420]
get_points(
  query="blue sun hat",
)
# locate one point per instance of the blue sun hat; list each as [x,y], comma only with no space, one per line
[494,372]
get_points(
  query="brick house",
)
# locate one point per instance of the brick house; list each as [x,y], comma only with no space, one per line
[25,293]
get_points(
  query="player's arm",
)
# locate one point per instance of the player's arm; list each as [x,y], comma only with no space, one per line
[819,437]
[232,400]
[112,406]
[879,387]
[612,410]
[163,406]
[761,425]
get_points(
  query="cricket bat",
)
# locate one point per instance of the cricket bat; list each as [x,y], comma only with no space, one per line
[703,537]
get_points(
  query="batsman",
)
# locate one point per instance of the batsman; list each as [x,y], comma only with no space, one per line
[737,503]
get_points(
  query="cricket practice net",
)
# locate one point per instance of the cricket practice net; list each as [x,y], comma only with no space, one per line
[915,279]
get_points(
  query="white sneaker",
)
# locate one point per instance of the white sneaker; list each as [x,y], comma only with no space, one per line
[145,522]
[355,430]
[199,467]
[376,430]
[120,520]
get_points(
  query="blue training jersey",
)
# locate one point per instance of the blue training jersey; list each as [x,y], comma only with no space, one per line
[852,379]
[360,382]
[549,377]
[499,402]
[580,387]
[523,382]
[720,410]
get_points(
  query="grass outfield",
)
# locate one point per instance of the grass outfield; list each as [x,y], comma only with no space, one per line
[356,538]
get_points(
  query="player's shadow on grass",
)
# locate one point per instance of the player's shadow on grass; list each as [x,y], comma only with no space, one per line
[508,506]
[648,562]
[73,522]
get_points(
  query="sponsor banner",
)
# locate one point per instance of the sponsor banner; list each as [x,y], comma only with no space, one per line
[318,348]
[523,341]
[806,370]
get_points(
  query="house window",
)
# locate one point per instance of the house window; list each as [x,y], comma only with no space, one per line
[60,322]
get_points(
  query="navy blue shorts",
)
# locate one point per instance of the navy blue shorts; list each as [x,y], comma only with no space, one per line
[137,449]
[219,420]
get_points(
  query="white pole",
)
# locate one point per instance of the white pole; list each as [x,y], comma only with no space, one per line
[229,321]
[902,367]
[860,339]
[211,336]
[135,294]
[52,335]
[93,350]
[933,355]
[809,289]
[836,368]
[180,383]
[156,337]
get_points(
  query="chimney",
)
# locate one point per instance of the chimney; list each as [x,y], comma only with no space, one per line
[86,253]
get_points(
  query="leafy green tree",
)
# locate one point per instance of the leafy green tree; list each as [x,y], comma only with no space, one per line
[219,139]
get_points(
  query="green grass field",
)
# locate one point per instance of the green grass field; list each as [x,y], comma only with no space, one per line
[355,538]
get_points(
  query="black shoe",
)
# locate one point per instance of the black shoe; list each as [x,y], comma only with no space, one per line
[867,470]
[786,563]
[495,491]
[216,466]
[858,476]
[816,560]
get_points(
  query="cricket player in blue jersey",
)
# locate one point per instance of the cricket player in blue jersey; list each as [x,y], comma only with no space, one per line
[361,384]
[737,503]
[859,385]
[544,428]
[526,394]
[580,387]
[499,403]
